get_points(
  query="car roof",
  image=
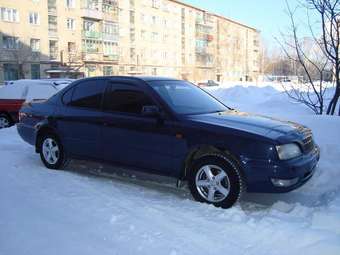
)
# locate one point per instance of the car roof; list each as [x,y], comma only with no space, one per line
[141,78]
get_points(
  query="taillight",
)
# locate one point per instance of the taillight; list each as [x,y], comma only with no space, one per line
[22,115]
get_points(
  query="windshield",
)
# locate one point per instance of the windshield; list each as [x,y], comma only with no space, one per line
[185,98]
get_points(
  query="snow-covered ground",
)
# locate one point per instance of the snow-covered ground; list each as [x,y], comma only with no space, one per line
[75,212]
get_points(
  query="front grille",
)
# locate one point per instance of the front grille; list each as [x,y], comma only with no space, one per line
[308,143]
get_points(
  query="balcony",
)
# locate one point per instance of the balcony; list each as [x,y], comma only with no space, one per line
[111,15]
[95,13]
[111,57]
[110,37]
[92,35]
[53,33]
[201,50]
[52,10]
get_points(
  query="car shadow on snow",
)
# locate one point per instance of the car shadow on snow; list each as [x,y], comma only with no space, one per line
[167,186]
[103,171]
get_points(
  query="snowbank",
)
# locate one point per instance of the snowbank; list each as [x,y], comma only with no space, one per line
[72,212]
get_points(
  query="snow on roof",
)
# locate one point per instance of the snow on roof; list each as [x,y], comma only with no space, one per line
[32,89]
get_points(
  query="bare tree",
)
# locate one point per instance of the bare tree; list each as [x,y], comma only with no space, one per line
[308,60]
[72,61]
[329,12]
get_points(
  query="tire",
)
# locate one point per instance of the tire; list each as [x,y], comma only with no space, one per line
[5,121]
[52,152]
[216,179]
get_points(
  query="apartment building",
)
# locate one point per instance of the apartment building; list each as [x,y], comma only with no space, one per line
[77,38]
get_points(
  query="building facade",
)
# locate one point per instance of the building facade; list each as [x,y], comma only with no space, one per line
[81,38]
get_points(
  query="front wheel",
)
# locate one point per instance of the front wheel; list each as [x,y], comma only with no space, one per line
[216,179]
[51,151]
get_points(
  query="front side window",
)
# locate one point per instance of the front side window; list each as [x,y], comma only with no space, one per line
[185,98]
[88,94]
[125,99]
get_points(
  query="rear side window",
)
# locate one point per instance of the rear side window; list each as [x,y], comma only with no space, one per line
[88,94]
[126,100]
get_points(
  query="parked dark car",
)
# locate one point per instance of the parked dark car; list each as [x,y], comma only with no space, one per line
[173,128]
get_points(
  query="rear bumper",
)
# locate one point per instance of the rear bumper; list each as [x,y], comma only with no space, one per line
[27,133]
[260,173]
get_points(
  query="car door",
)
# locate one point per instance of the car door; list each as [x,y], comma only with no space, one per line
[80,118]
[130,138]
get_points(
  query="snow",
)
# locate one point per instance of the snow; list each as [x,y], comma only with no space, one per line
[76,212]
[31,89]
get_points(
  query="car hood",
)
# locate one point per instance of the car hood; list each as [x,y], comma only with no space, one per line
[250,123]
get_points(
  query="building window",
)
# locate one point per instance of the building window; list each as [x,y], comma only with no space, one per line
[132,17]
[156,4]
[143,34]
[90,70]
[110,6]
[10,42]
[154,36]
[107,70]
[111,30]
[132,54]
[132,35]
[10,15]
[154,20]
[89,25]
[35,45]
[34,18]
[52,25]
[52,6]
[11,72]
[90,46]
[53,49]
[70,23]
[35,71]
[70,3]
[92,4]
[110,48]
[71,47]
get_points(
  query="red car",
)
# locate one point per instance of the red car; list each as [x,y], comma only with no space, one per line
[15,93]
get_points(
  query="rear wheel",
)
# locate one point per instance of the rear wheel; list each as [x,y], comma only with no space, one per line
[51,151]
[5,121]
[216,179]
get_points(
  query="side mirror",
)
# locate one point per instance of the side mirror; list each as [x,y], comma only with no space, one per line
[151,111]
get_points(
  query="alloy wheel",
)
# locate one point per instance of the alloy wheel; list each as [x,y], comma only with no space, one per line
[50,151]
[212,183]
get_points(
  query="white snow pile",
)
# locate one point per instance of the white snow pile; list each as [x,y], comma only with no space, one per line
[73,212]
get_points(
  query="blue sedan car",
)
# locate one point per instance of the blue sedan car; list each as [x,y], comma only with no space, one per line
[170,127]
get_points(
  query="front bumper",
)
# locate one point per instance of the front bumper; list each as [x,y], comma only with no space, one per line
[261,173]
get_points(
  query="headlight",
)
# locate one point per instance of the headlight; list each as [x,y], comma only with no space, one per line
[288,151]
